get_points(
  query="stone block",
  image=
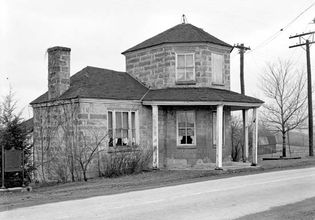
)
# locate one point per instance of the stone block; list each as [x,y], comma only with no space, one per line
[157,60]
[146,57]
[187,153]
[176,163]
[98,116]
[144,63]
[159,55]
[133,60]
[83,116]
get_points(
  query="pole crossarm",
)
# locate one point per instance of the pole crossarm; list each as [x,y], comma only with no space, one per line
[302,40]
[241,47]
[299,45]
[301,35]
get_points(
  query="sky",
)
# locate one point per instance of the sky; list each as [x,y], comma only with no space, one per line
[97,31]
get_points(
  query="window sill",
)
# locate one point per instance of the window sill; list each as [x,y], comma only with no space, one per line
[218,84]
[123,148]
[190,146]
[192,82]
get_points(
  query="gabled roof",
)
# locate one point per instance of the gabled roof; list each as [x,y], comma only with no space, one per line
[92,82]
[202,94]
[182,33]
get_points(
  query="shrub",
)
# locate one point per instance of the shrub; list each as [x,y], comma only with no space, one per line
[125,161]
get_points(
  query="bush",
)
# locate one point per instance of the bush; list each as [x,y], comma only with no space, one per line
[126,161]
[14,135]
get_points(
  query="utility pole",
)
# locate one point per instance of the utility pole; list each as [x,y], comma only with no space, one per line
[2,167]
[305,42]
[242,50]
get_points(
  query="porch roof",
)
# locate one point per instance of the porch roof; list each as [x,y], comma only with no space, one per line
[199,96]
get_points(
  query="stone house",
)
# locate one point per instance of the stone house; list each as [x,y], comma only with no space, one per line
[174,98]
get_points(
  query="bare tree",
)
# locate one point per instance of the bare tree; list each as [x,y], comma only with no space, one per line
[90,144]
[237,137]
[58,127]
[43,141]
[69,125]
[285,109]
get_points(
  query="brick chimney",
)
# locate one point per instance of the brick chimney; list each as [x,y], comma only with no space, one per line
[58,71]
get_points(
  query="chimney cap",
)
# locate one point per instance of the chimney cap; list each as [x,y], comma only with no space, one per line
[58,48]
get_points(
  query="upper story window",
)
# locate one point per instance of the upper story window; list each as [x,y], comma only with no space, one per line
[185,67]
[217,68]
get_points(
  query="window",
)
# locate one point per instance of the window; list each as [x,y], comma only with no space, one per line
[214,129]
[217,68]
[110,129]
[185,67]
[121,128]
[186,128]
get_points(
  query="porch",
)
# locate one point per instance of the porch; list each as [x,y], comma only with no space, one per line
[193,132]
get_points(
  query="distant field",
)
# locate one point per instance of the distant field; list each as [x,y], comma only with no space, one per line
[294,139]
[296,146]
[292,151]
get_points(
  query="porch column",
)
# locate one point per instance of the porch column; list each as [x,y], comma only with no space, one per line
[129,129]
[218,160]
[114,127]
[137,126]
[246,136]
[155,136]
[255,136]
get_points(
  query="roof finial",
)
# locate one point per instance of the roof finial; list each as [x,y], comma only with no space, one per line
[184,19]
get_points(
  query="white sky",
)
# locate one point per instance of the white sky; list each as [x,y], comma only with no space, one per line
[98,31]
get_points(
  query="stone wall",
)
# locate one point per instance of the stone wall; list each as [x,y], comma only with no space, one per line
[63,130]
[93,113]
[60,129]
[54,137]
[156,66]
[204,153]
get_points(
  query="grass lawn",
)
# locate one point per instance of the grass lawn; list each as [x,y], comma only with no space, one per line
[146,180]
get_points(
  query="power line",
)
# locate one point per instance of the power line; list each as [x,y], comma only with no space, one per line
[275,35]
[267,41]
[299,15]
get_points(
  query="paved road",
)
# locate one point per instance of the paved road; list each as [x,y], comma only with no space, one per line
[216,199]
